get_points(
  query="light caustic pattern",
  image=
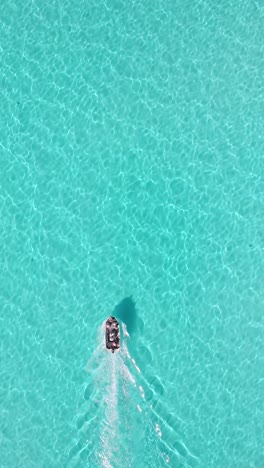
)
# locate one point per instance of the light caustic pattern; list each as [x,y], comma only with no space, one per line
[117,426]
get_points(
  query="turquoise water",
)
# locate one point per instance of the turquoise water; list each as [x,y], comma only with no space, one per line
[131,142]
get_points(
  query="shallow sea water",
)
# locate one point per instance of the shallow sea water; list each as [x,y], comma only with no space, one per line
[131,182]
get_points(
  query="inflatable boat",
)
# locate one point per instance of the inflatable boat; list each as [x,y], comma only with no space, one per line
[112,334]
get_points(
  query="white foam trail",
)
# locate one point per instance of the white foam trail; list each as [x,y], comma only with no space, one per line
[112,393]
[157,416]
[125,332]
[112,383]
[109,435]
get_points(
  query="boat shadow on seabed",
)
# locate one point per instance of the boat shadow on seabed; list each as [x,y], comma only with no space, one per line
[126,312]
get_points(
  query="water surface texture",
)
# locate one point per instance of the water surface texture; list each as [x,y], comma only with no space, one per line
[131,181]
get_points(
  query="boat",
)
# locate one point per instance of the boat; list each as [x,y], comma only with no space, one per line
[112,334]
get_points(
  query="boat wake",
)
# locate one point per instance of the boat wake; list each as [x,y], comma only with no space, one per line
[119,422]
